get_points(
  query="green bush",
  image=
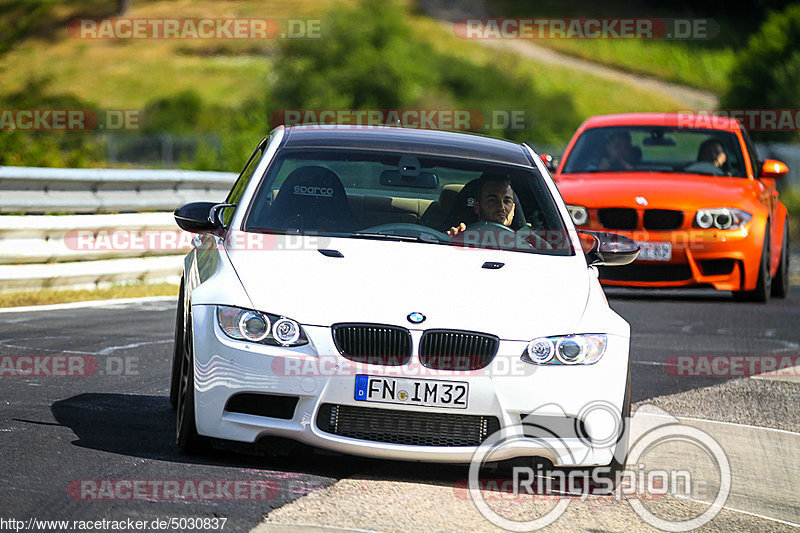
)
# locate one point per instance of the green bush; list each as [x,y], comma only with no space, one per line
[766,74]
[47,148]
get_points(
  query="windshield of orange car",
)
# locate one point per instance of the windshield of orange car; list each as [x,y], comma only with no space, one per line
[403,196]
[656,149]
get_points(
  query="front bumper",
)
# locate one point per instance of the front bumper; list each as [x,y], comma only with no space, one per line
[316,375]
[724,259]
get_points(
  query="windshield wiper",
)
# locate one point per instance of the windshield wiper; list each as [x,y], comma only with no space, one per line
[390,237]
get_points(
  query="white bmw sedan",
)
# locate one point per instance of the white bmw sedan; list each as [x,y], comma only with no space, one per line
[403,294]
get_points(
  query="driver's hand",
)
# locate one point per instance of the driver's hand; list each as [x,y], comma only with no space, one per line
[456,229]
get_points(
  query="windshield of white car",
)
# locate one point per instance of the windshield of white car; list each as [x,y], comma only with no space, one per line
[656,149]
[405,197]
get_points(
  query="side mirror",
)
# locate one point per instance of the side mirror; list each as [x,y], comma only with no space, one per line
[608,249]
[199,217]
[773,169]
[550,162]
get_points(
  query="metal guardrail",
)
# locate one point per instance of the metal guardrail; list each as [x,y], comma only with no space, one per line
[32,190]
[91,249]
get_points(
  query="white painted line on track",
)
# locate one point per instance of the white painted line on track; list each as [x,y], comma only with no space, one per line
[739,511]
[87,303]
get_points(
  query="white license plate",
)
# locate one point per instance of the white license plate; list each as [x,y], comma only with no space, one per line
[654,251]
[426,392]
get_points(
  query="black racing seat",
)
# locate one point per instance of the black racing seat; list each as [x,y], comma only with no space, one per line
[312,199]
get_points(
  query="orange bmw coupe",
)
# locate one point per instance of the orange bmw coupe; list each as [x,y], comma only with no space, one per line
[691,190]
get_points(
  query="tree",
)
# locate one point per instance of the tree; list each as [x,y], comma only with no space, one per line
[766,74]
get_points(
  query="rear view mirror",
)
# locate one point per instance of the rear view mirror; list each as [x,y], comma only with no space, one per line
[608,249]
[421,180]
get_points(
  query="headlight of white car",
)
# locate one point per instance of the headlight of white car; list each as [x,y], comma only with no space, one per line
[721,218]
[584,349]
[255,326]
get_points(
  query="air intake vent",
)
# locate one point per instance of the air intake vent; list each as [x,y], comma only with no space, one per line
[405,427]
[269,405]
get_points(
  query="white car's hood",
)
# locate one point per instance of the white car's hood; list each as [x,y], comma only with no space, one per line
[384,281]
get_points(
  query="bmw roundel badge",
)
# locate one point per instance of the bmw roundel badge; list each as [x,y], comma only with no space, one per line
[416,318]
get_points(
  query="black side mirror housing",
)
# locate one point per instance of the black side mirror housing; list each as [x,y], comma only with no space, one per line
[200,217]
[609,249]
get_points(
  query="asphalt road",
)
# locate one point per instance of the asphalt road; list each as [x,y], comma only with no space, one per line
[70,441]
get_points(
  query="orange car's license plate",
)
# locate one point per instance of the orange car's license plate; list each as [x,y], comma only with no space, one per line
[654,251]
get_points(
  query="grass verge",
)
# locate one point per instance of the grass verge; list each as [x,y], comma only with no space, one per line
[56,296]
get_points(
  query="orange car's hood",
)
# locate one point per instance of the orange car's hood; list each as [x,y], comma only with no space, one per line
[661,190]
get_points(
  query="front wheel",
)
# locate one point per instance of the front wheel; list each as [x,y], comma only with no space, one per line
[780,285]
[177,352]
[186,428]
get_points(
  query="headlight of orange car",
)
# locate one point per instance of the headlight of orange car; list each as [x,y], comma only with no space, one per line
[721,218]
[579,214]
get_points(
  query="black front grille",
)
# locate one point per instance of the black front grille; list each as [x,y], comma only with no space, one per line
[618,218]
[663,219]
[638,272]
[445,349]
[375,344]
[405,427]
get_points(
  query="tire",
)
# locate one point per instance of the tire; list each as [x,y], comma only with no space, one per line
[764,285]
[780,284]
[186,428]
[177,352]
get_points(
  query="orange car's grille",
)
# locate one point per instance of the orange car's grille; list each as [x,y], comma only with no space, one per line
[623,218]
[662,219]
[618,218]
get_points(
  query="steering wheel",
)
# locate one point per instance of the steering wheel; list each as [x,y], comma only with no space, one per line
[486,224]
[405,229]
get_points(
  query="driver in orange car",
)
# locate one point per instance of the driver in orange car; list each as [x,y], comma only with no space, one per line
[495,203]
[711,151]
